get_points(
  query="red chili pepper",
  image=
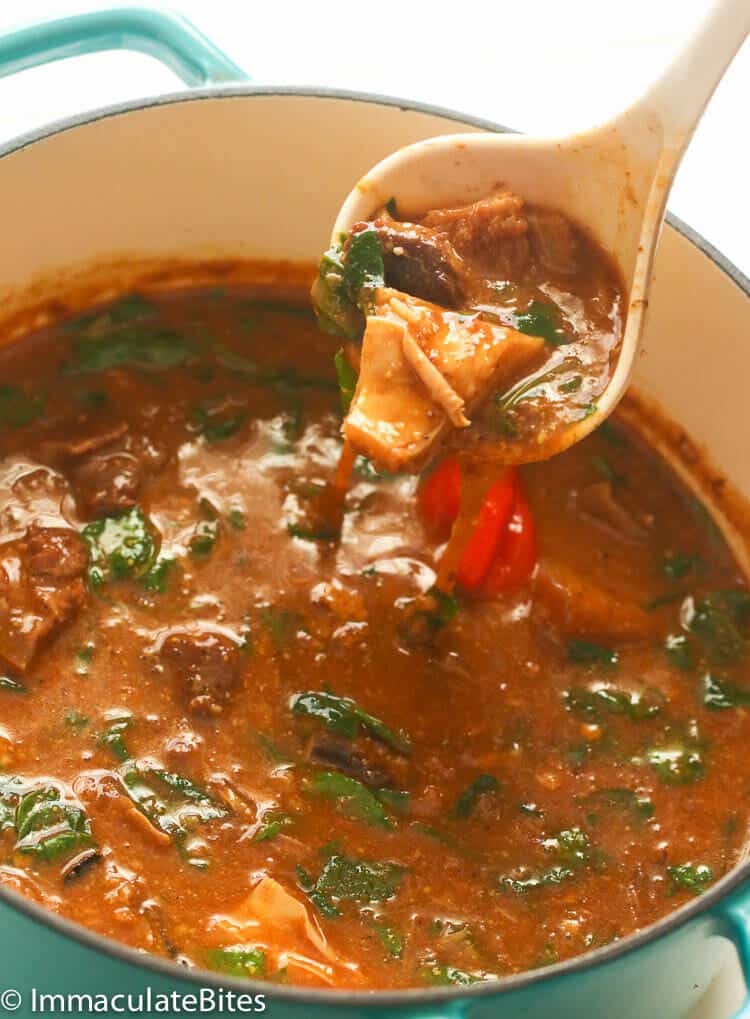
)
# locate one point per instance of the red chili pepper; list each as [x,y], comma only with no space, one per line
[488,534]
[517,551]
[439,497]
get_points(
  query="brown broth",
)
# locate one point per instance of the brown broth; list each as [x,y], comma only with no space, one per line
[595,813]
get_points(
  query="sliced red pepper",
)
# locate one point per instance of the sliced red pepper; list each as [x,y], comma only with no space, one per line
[492,522]
[517,551]
[439,497]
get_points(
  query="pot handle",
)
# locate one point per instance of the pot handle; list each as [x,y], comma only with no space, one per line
[169,38]
[734,916]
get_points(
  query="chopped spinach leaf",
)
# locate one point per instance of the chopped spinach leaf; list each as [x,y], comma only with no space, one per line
[10,684]
[719,622]
[543,320]
[17,409]
[113,738]
[311,534]
[390,207]
[689,877]
[120,548]
[606,699]
[570,847]
[47,826]
[171,803]
[347,380]
[75,720]
[437,975]
[364,270]
[622,799]
[210,419]
[345,717]
[206,532]
[391,939]
[273,824]
[355,800]
[236,519]
[467,801]
[238,961]
[157,578]
[584,652]
[677,763]
[545,879]
[718,694]
[678,565]
[677,650]
[346,878]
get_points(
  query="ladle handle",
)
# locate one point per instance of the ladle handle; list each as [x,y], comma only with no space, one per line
[680,95]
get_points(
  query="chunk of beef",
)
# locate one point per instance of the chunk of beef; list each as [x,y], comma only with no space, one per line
[107,483]
[41,589]
[422,369]
[600,505]
[54,553]
[554,241]
[492,234]
[106,470]
[421,262]
[207,666]
[577,606]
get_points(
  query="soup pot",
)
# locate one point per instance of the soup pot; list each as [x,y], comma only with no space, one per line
[247,171]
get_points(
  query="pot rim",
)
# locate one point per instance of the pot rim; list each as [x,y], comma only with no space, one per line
[375,999]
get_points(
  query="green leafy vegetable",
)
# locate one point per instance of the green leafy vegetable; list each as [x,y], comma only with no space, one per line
[75,720]
[719,694]
[606,699]
[11,685]
[364,270]
[571,847]
[238,961]
[157,578]
[545,879]
[622,799]
[346,878]
[543,320]
[173,804]
[467,801]
[677,650]
[210,419]
[273,824]
[47,826]
[120,548]
[390,207]
[437,975]
[236,519]
[677,763]
[347,380]
[311,534]
[345,717]
[690,877]
[392,940]
[17,409]
[719,621]
[584,652]
[206,532]
[113,738]
[679,564]
[355,799]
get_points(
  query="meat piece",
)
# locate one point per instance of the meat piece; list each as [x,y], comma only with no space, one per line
[421,262]
[105,471]
[55,553]
[41,589]
[107,483]
[491,233]
[600,506]
[339,755]
[579,607]
[400,411]
[554,241]
[207,666]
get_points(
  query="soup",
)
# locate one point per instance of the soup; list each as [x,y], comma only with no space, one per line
[244,739]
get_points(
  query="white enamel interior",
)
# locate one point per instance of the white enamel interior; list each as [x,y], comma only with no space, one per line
[263,176]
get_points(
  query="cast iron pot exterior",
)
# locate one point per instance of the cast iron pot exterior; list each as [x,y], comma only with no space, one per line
[248,171]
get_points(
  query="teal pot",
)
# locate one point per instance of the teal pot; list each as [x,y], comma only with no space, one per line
[248,171]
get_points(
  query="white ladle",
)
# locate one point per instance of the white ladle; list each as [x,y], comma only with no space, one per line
[613,180]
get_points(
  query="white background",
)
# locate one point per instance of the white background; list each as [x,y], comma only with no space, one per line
[541,65]
[544,66]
